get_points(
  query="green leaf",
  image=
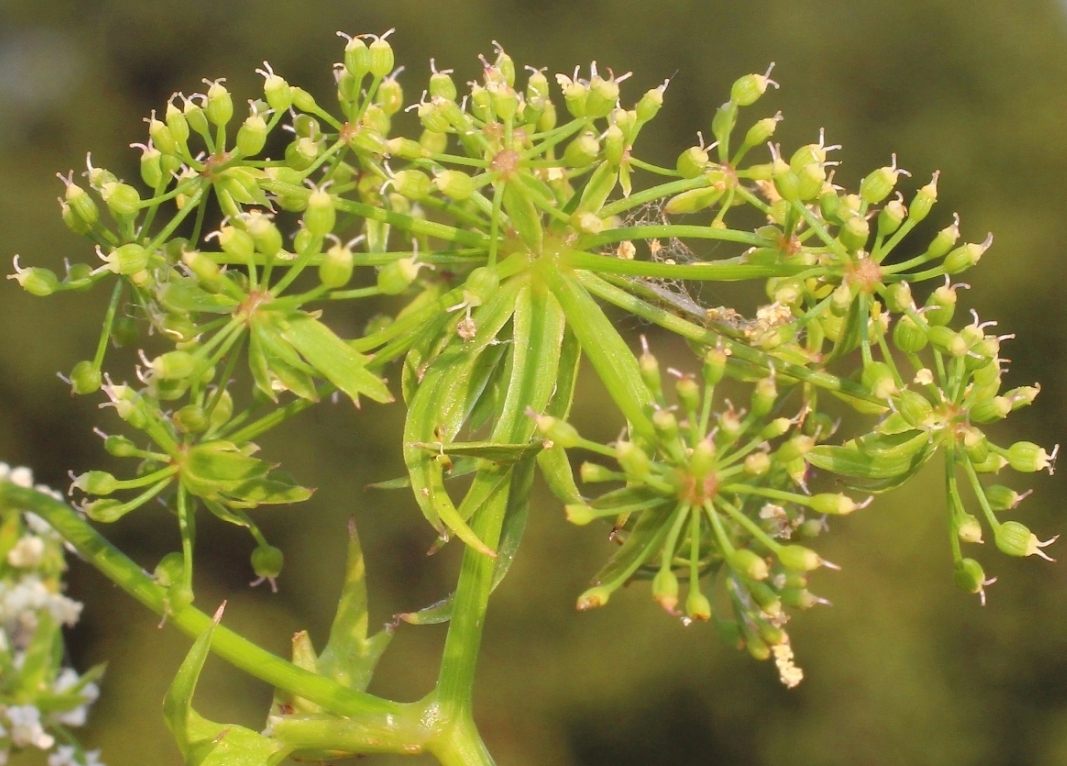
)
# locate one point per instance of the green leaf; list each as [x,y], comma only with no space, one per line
[642,542]
[282,362]
[876,471]
[514,525]
[334,359]
[612,359]
[277,488]
[182,295]
[203,742]
[350,656]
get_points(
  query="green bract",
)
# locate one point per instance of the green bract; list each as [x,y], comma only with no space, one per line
[502,229]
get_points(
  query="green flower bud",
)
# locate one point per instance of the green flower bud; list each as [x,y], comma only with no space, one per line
[649,368]
[892,215]
[81,204]
[898,298]
[252,135]
[969,576]
[205,269]
[582,151]
[914,407]
[191,419]
[237,243]
[991,410]
[649,105]
[504,101]
[746,90]
[121,199]
[1023,396]
[174,365]
[697,606]
[948,341]
[124,331]
[390,96]
[877,186]
[575,95]
[305,102]
[404,148]
[702,459]
[96,483]
[170,569]
[394,278]
[776,428]
[35,280]
[265,234]
[968,528]
[592,473]
[357,57]
[810,181]
[120,446]
[603,95]
[665,589]
[128,259]
[757,464]
[275,89]
[194,115]
[151,165]
[940,306]
[945,239]
[692,162]
[336,268]
[764,395]
[160,134]
[579,514]
[595,597]
[302,152]
[966,256]
[692,201]
[1015,539]
[924,200]
[558,431]
[800,558]
[834,504]
[762,131]
[267,561]
[320,216]
[855,233]
[666,424]
[442,85]
[85,378]
[799,598]
[992,464]
[688,393]
[1027,457]
[748,564]
[381,56]
[307,243]
[714,366]
[455,184]
[614,145]
[879,380]
[219,106]
[832,207]
[433,142]
[177,127]
[1003,498]
[633,460]
[794,449]
[412,184]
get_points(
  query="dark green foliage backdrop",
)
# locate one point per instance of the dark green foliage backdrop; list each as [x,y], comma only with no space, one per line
[903,669]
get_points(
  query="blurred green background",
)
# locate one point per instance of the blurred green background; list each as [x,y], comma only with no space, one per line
[904,669]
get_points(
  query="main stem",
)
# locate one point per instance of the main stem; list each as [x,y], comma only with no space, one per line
[237,650]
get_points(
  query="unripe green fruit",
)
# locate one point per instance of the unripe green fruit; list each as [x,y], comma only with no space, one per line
[878,379]
[169,570]
[455,184]
[969,576]
[85,378]
[394,278]
[633,459]
[558,431]
[649,105]
[855,233]
[702,461]
[1027,457]
[878,184]
[1003,498]
[121,199]
[748,564]
[120,446]
[191,419]
[320,216]
[593,473]
[968,528]
[582,151]
[381,57]
[665,589]
[219,107]
[764,395]
[252,136]
[746,90]
[412,184]
[336,268]
[800,558]
[579,514]
[37,281]
[390,96]
[697,606]
[267,561]
[692,162]
[127,259]
[96,483]
[173,365]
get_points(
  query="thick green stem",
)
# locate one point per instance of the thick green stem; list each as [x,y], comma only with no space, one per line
[233,648]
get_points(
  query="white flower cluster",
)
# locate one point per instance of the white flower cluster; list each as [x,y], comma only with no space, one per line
[29,589]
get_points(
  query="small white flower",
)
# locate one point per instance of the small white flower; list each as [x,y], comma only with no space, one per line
[21,477]
[26,727]
[63,756]
[27,552]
